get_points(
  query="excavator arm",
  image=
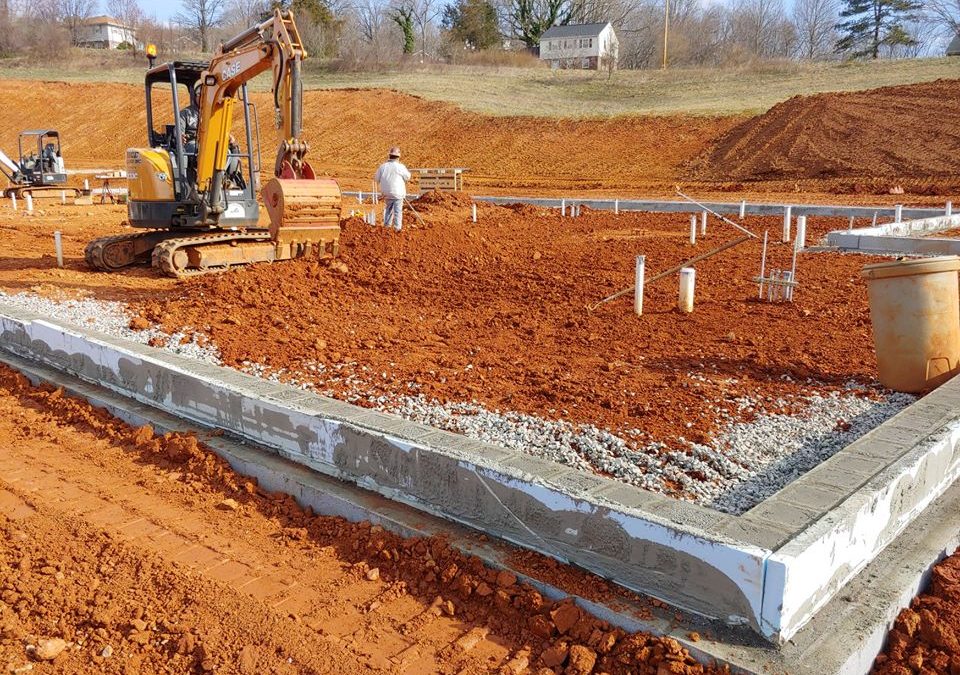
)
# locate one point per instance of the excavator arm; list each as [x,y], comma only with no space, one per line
[272,44]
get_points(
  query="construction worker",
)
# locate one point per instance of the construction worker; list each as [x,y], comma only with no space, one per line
[190,117]
[392,177]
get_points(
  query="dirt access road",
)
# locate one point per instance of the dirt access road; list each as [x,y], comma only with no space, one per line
[125,552]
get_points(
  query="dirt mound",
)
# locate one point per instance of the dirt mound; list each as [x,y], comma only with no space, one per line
[907,131]
[349,132]
[926,636]
[436,202]
[65,585]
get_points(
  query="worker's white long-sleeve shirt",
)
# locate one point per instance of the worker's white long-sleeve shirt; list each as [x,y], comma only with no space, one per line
[392,177]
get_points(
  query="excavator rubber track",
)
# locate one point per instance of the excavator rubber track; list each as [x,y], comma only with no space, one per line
[38,191]
[183,257]
[123,250]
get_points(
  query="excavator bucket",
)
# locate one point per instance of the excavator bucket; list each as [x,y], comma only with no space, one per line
[303,212]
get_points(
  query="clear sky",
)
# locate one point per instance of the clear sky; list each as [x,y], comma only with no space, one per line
[162,9]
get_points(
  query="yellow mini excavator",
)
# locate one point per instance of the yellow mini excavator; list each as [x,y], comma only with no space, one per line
[190,191]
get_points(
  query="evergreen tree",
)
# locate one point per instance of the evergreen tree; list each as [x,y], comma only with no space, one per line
[869,24]
[473,22]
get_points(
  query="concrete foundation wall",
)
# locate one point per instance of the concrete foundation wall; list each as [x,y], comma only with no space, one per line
[903,237]
[770,569]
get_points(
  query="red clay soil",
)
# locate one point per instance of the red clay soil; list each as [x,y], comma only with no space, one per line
[629,155]
[926,636]
[496,312]
[901,133]
[128,552]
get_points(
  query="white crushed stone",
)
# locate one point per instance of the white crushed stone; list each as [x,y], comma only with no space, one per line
[112,318]
[745,463]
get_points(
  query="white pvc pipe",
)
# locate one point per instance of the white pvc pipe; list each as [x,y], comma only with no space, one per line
[473,211]
[949,209]
[874,219]
[616,207]
[563,207]
[763,262]
[788,290]
[850,224]
[373,217]
[360,197]
[63,196]
[638,285]
[787,217]
[898,213]
[703,223]
[13,201]
[687,283]
[58,247]
[801,241]
[693,229]
[86,186]
[29,203]
[743,209]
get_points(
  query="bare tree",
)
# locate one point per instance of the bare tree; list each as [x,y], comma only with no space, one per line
[200,16]
[72,14]
[425,15]
[245,13]
[759,28]
[816,26]
[529,19]
[946,14]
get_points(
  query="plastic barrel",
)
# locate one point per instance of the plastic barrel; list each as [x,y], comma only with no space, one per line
[915,309]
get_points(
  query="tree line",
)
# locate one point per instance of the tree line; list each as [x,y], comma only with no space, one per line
[376,33]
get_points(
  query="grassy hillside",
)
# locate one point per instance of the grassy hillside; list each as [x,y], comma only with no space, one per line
[541,92]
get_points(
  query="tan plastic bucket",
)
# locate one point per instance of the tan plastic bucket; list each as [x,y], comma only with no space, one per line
[915,308]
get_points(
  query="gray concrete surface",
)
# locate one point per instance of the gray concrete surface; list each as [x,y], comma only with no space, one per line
[771,569]
[907,237]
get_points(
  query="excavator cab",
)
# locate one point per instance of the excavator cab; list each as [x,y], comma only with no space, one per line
[162,178]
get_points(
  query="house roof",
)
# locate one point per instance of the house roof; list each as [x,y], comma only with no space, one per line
[953,49]
[98,20]
[575,30]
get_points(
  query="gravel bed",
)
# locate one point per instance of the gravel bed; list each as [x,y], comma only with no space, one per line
[113,319]
[746,462]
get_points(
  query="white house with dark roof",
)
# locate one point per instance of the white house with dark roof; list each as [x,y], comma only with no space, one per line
[589,46]
[105,32]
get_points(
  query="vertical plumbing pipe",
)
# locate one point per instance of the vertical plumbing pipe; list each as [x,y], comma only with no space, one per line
[787,217]
[63,196]
[58,247]
[638,285]
[763,262]
[86,186]
[688,277]
[949,209]
[743,209]
[703,224]
[801,240]
[693,229]
[616,207]
[13,201]
[563,207]
[360,197]
[874,219]
[898,213]
[29,203]
[473,211]
[850,224]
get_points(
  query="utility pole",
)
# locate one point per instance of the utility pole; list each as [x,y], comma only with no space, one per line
[666,30]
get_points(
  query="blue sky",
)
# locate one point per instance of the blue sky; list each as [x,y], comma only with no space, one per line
[162,9]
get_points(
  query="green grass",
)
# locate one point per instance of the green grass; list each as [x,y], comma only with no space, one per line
[542,92]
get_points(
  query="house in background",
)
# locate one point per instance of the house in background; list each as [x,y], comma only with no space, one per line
[953,49]
[590,46]
[105,32]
